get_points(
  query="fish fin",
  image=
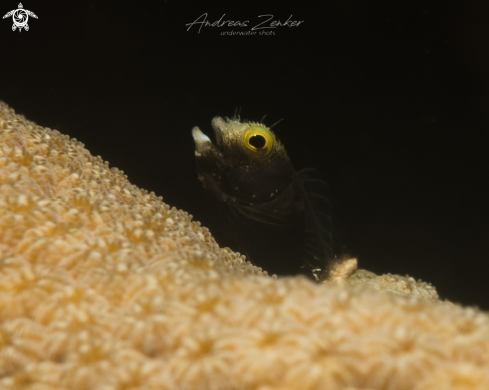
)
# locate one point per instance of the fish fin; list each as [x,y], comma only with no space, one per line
[319,226]
[263,216]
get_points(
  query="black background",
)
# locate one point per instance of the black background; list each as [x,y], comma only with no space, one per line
[387,99]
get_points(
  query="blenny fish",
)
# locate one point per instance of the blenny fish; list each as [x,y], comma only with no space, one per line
[277,217]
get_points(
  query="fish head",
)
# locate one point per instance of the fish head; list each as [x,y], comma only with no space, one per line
[247,162]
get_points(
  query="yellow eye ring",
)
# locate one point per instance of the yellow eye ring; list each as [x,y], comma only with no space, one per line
[257,142]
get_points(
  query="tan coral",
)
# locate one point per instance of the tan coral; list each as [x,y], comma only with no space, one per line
[103,286]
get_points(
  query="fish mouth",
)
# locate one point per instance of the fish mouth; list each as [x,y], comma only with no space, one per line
[203,143]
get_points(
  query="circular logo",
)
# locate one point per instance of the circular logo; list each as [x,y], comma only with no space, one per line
[20,17]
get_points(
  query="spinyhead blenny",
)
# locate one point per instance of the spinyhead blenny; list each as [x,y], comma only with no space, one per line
[277,217]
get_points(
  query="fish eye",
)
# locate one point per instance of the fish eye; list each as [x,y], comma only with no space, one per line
[257,142]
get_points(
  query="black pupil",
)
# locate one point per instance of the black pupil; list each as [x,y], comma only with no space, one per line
[258,141]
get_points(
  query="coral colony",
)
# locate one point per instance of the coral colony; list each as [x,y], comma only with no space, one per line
[104,286]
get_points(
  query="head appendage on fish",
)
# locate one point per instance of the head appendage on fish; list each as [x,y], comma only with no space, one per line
[274,215]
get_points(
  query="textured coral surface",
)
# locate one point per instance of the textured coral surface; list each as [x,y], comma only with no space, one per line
[103,286]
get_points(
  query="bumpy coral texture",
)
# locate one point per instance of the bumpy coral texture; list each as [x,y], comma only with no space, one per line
[103,286]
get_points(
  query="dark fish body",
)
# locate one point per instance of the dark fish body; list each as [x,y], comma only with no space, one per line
[275,216]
